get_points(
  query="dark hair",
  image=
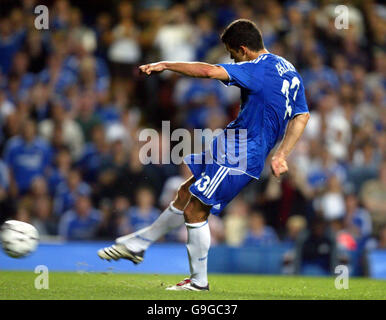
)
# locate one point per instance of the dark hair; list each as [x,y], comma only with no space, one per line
[243,32]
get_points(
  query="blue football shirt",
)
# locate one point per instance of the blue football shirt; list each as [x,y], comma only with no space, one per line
[272,93]
[27,160]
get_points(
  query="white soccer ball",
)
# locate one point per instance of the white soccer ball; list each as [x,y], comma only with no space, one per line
[18,238]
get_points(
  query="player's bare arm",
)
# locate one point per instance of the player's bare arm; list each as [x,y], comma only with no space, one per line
[294,131]
[191,69]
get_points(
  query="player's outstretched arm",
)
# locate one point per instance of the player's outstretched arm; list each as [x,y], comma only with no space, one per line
[191,69]
[294,131]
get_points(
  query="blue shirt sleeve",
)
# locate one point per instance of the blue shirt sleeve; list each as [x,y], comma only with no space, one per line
[248,75]
[300,102]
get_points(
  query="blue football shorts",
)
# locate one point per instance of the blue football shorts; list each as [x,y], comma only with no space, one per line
[215,185]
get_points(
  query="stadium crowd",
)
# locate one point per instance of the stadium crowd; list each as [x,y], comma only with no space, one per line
[72,104]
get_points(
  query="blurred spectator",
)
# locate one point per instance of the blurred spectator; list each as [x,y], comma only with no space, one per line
[42,217]
[10,43]
[236,222]
[345,241]
[37,51]
[61,14]
[72,134]
[103,34]
[55,76]
[19,71]
[206,35]
[40,101]
[95,154]
[364,165]
[37,190]
[68,191]
[143,213]
[357,219]
[121,224]
[124,50]
[90,80]
[87,118]
[332,201]
[373,196]
[259,234]
[319,79]
[295,225]
[134,173]
[316,252]
[79,32]
[27,156]
[60,170]
[80,223]
[176,38]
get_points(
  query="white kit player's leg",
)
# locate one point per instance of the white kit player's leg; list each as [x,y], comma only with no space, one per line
[133,246]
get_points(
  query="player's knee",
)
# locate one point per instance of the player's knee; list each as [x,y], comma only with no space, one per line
[196,211]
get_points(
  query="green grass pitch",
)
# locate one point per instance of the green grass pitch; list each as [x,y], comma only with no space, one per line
[62,285]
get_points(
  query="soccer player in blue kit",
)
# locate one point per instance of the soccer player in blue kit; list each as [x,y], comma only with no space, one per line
[273,108]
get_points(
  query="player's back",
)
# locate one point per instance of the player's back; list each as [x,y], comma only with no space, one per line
[272,93]
[284,96]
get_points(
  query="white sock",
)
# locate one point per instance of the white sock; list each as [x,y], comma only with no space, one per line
[170,219]
[198,246]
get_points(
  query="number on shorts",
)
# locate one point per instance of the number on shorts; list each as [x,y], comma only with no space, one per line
[202,183]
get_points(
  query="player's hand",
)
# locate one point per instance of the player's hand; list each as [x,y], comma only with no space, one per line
[152,67]
[278,165]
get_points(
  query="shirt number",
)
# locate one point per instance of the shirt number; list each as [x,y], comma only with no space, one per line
[295,83]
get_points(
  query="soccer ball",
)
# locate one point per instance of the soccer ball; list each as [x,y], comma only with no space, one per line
[18,238]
